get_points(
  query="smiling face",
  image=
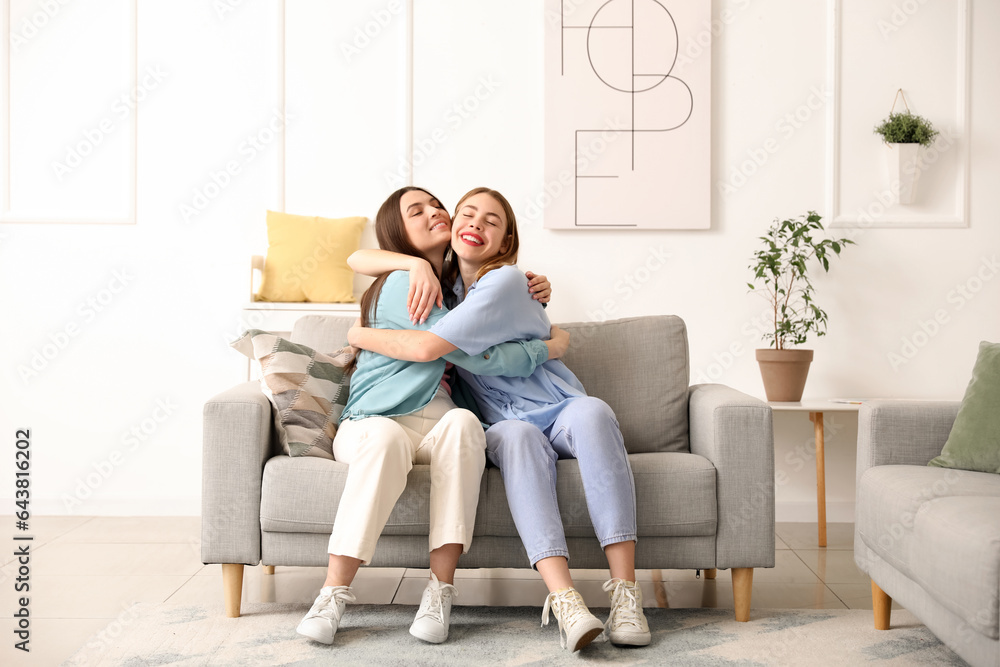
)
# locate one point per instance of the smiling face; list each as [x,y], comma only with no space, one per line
[480,231]
[427,224]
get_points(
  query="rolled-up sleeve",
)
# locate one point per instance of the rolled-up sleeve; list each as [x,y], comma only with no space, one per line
[517,359]
[497,309]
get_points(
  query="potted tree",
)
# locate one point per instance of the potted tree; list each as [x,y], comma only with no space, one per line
[781,270]
[904,134]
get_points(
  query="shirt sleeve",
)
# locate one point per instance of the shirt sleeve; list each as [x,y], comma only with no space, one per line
[516,359]
[510,359]
[391,311]
[498,308]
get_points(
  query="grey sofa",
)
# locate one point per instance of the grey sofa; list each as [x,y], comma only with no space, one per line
[928,537]
[702,458]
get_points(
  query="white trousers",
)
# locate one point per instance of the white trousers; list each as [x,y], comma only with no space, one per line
[381,451]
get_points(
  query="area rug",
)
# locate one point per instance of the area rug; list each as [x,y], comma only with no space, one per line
[373,635]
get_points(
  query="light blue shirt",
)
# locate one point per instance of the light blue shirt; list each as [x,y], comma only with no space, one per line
[499,308]
[382,386]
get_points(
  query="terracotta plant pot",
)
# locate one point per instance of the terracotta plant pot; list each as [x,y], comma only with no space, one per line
[784,373]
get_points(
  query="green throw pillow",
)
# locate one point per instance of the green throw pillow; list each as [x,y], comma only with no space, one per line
[308,390]
[974,441]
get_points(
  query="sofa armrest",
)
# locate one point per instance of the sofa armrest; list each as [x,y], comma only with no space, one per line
[734,432]
[236,442]
[902,432]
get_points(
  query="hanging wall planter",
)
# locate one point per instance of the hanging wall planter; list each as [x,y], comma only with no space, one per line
[905,135]
[901,162]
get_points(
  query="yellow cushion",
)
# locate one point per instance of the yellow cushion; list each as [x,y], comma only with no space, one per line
[307,258]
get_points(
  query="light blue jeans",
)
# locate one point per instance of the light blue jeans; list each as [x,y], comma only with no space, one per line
[585,430]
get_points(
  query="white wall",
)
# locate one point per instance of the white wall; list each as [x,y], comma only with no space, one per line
[161,339]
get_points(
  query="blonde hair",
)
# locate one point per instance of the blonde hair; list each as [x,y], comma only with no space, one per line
[504,257]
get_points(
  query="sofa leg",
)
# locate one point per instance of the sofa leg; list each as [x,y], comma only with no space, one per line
[742,588]
[232,585]
[660,590]
[268,569]
[881,606]
[710,573]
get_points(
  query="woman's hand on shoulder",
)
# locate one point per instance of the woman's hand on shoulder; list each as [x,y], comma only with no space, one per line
[425,291]
[558,342]
[539,287]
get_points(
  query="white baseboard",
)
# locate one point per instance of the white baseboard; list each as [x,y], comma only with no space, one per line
[805,512]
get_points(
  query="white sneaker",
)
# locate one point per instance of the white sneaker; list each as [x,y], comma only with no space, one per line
[323,619]
[575,620]
[434,615]
[626,624]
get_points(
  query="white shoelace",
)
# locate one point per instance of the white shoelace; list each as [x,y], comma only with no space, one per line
[435,603]
[568,606]
[326,605]
[625,609]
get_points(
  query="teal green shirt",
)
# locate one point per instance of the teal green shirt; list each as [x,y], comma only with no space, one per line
[382,386]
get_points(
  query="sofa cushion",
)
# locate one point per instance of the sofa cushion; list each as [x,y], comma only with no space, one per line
[307,258]
[676,494]
[303,496]
[307,388]
[958,562]
[300,495]
[638,366]
[974,441]
[889,498]
[322,332]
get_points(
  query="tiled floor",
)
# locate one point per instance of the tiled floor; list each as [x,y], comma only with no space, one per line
[86,572]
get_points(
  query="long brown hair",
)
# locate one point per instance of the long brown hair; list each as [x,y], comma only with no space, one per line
[390,230]
[505,257]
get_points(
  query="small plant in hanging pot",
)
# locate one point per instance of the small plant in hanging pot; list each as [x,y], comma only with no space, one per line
[781,271]
[904,134]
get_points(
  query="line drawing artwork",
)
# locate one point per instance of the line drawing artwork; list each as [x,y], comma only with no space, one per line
[627,116]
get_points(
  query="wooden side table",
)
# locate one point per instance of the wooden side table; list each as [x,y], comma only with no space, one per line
[816,408]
